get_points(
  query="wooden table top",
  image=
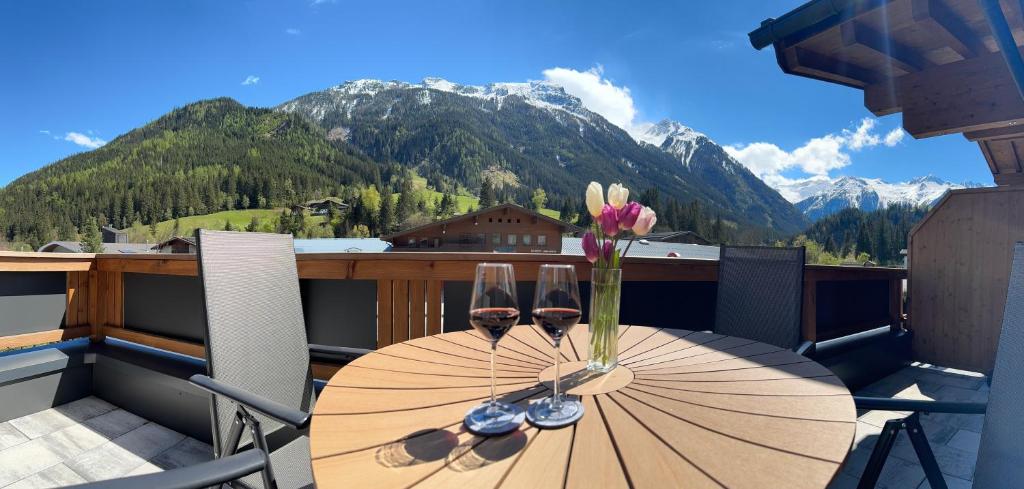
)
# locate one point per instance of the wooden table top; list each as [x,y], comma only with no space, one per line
[683,409]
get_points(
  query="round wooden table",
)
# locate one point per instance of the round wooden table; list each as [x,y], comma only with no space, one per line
[683,409]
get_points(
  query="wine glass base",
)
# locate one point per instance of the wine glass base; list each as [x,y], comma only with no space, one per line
[541,415]
[506,418]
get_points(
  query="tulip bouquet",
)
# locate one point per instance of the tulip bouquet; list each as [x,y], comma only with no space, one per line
[612,221]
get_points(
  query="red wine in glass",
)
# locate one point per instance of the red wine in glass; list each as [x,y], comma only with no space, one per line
[556,321]
[493,322]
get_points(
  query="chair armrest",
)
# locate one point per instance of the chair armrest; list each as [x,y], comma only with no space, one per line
[805,348]
[919,406]
[206,474]
[343,351]
[295,418]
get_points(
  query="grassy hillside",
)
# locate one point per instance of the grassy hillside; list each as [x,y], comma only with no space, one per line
[238,218]
[463,200]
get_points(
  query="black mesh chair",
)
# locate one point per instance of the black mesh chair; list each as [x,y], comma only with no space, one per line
[760,295]
[257,353]
[1001,453]
[208,474]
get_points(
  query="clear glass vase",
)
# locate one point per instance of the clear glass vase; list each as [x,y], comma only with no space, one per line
[605,291]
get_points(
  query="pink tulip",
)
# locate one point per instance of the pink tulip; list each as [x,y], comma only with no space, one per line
[628,215]
[590,247]
[645,222]
[609,220]
[607,251]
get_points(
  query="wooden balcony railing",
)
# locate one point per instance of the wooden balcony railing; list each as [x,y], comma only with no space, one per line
[413,291]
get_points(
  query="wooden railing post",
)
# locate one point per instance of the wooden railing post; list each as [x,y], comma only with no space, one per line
[434,293]
[94,306]
[809,324]
[896,304]
[385,306]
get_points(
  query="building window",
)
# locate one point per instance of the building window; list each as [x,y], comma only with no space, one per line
[490,219]
[496,238]
[499,219]
[512,240]
[542,240]
[517,221]
[526,239]
[412,241]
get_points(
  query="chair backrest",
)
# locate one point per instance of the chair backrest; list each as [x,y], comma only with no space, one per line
[1001,455]
[760,294]
[255,331]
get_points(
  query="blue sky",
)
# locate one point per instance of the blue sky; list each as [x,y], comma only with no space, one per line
[76,74]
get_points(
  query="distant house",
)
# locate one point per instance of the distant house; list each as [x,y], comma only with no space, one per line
[320,207]
[76,247]
[113,235]
[507,228]
[688,237]
[176,244]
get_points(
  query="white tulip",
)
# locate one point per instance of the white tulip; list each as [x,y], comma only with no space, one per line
[595,198]
[617,195]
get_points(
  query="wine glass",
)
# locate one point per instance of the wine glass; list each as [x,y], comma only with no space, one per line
[493,311]
[556,309]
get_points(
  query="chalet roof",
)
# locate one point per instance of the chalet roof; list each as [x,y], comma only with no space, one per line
[188,240]
[949,66]
[341,245]
[325,200]
[564,226]
[112,229]
[650,249]
[76,247]
[667,235]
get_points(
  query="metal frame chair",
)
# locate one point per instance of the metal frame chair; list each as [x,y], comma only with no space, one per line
[1001,453]
[255,331]
[760,295]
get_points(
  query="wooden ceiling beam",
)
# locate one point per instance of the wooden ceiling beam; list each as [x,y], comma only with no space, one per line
[1006,132]
[970,95]
[883,98]
[855,33]
[817,64]
[941,20]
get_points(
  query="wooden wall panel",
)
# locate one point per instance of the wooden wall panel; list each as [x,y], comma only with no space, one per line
[959,260]
[417,309]
[434,306]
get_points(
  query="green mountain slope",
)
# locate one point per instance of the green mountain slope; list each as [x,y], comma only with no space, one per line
[205,157]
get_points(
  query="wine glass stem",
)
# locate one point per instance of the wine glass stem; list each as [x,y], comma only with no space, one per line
[494,401]
[556,402]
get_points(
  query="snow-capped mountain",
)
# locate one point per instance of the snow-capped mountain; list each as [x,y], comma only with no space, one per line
[543,136]
[820,196]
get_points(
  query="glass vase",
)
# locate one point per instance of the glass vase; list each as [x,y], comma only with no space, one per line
[605,291]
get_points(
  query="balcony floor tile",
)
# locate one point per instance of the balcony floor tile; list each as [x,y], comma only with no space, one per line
[89,440]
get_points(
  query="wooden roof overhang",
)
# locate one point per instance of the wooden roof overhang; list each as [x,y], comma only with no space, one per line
[938,62]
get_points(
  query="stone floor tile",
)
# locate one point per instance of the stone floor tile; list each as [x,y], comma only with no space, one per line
[85,408]
[953,393]
[965,440]
[72,441]
[114,423]
[878,418]
[56,476]
[900,474]
[188,452]
[844,481]
[146,468]
[951,483]
[43,422]
[952,461]
[23,460]
[123,454]
[10,436]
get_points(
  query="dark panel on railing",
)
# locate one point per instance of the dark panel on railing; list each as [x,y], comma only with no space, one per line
[676,305]
[341,312]
[456,297]
[31,301]
[849,307]
[167,305]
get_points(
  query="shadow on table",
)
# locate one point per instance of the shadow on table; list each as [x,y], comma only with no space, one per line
[461,450]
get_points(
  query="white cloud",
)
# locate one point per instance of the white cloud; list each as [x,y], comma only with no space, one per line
[817,157]
[251,80]
[83,140]
[291,31]
[893,137]
[597,93]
